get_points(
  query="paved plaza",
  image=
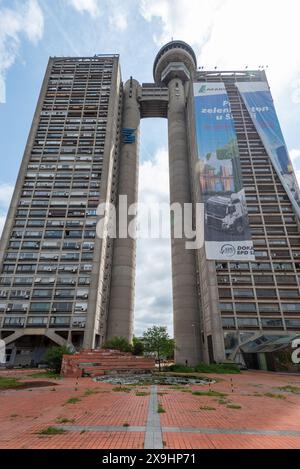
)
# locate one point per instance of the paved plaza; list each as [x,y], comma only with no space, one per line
[248,410]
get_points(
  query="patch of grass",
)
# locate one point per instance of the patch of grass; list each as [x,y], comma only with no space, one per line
[289,388]
[121,389]
[90,392]
[162,393]
[64,420]
[52,431]
[223,401]
[160,409]
[73,400]
[209,393]
[45,374]
[274,396]
[141,393]
[233,406]
[9,383]
[206,407]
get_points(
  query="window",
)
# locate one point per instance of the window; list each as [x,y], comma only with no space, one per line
[243,293]
[62,307]
[64,293]
[42,307]
[14,321]
[37,321]
[247,322]
[291,307]
[60,321]
[270,322]
[42,294]
[23,280]
[289,293]
[79,322]
[293,323]
[228,322]
[266,293]
[268,308]
[20,294]
[53,234]
[245,307]
[226,306]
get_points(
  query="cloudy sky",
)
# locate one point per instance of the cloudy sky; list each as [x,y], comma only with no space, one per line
[229,34]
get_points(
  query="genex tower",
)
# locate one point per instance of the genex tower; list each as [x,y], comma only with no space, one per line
[235,296]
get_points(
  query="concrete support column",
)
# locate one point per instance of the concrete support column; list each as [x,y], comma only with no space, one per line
[185,300]
[121,308]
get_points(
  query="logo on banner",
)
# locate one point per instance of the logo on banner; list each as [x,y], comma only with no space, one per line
[228,250]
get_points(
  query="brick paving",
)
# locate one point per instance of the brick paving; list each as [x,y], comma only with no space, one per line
[103,418]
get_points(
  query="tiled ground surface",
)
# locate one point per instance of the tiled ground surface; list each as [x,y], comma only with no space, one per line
[189,421]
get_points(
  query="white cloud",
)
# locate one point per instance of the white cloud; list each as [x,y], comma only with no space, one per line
[25,19]
[118,20]
[234,34]
[294,155]
[88,6]
[153,279]
[6,191]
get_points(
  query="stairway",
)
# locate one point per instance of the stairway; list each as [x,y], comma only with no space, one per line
[99,362]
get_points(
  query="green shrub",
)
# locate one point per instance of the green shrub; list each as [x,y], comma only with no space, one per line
[230,368]
[137,346]
[181,368]
[118,343]
[226,368]
[53,357]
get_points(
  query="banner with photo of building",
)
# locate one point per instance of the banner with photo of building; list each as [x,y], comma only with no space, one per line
[226,225]
[259,103]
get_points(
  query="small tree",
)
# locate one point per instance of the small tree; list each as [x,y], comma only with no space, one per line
[118,343]
[156,339]
[137,346]
[54,355]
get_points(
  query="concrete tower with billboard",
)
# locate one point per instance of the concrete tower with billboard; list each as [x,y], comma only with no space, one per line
[233,297]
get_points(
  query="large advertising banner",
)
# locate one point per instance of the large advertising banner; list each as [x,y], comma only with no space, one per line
[226,226]
[259,102]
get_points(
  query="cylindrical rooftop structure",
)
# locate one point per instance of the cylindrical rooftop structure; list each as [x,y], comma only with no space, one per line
[176,59]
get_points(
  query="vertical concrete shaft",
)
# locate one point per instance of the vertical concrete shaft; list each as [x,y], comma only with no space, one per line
[121,309]
[185,301]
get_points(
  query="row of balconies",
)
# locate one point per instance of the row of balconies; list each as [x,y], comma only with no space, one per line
[28,281]
[46,268]
[35,321]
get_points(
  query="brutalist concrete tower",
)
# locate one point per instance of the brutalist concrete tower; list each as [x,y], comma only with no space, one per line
[174,67]
[121,308]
